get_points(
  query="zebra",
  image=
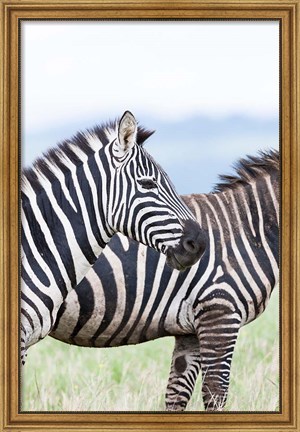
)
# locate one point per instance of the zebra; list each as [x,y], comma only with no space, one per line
[74,199]
[131,296]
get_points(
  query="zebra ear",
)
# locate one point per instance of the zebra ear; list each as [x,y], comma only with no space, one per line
[127,131]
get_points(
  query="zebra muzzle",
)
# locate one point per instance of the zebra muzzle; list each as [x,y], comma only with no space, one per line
[190,248]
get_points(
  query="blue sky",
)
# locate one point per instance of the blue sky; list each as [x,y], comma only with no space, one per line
[209,89]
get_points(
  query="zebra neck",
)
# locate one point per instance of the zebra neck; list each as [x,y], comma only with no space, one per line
[252,208]
[64,226]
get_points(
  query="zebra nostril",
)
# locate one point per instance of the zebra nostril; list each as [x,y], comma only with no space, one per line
[190,245]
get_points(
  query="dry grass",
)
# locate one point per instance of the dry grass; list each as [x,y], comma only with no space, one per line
[58,377]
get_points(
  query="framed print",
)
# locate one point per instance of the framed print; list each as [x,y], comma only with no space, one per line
[219,84]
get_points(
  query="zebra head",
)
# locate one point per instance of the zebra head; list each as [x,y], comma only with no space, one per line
[145,205]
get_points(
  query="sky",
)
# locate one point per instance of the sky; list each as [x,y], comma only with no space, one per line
[209,89]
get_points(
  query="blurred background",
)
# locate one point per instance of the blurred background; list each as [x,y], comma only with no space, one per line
[211,91]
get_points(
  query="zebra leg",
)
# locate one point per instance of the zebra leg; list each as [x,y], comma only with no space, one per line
[185,368]
[217,334]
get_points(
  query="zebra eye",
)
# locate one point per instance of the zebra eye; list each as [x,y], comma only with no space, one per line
[147,183]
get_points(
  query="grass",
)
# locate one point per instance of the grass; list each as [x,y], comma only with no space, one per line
[59,377]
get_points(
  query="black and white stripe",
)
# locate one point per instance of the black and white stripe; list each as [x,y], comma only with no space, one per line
[131,296]
[76,197]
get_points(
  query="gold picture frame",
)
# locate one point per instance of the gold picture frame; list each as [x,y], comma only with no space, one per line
[287,13]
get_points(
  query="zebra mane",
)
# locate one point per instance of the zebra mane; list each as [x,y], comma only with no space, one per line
[80,146]
[248,169]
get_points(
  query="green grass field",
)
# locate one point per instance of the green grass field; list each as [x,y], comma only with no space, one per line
[59,377]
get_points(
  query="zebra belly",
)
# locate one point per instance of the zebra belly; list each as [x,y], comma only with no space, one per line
[115,333]
[109,324]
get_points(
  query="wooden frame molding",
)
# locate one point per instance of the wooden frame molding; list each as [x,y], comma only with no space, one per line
[287,13]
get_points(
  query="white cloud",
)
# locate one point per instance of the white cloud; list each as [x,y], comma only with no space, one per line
[168,70]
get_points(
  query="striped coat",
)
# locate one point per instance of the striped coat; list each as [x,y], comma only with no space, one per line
[131,296]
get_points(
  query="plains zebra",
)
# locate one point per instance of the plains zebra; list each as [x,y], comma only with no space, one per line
[75,198]
[130,296]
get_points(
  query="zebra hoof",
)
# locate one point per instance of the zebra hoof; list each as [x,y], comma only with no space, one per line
[176,406]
